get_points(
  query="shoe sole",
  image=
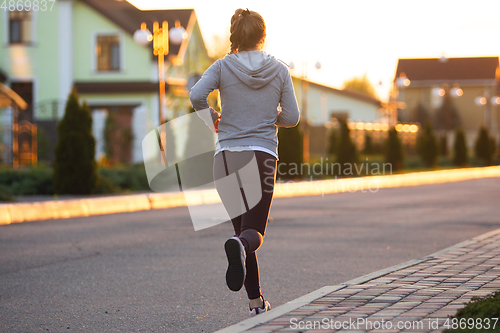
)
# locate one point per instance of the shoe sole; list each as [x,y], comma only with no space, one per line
[235,275]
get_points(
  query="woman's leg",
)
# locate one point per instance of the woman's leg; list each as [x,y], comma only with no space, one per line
[251,225]
[221,170]
[254,222]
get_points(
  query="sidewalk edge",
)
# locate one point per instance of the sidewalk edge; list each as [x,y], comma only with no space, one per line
[48,210]
[309,298]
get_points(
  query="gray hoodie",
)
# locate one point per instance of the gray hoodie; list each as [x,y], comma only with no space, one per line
[252,84]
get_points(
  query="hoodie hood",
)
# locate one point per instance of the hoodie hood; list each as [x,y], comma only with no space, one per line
[254,68]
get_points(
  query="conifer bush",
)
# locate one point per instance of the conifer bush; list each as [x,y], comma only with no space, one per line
[346,151]
[332,142]
[369,148]
[290,151]
[394,150]
[482,148]
[427,146]
[443,146]
[459,149]
[75,170]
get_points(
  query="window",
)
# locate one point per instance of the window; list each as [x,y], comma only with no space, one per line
[108,53]
[20,27]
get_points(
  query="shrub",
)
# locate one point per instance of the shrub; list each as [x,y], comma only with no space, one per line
[106,186]
[29,181]
[346,151]
[394,150]
[460,149]
[332,143]
[493,147]
[443,146]
[488,307]
[75,170]
[482,147]
[290,150]
[123,178]
[5,194]
[369,149]
[427,146]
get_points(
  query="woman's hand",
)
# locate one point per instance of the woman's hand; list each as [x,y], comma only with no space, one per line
[216,124]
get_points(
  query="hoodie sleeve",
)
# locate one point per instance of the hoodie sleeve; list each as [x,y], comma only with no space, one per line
[290,114]
[199,93]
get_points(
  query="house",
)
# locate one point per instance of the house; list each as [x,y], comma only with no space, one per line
[450,92]
[322,104]
[89,44]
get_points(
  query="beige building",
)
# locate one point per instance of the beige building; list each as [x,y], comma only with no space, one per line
[320,104]
[450,92]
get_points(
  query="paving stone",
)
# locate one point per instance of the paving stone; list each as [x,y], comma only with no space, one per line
[432,290]
[384,298]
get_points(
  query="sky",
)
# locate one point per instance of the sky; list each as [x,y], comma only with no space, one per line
[351,38]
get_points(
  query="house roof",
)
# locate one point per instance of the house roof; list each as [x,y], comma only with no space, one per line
[481,68]
[345,92]
[129,17]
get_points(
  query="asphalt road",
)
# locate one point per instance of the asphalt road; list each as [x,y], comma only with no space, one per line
[151,272]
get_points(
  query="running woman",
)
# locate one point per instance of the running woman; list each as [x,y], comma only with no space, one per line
[252,84]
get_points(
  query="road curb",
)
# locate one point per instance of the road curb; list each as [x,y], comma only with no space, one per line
[36,211]
[309,298]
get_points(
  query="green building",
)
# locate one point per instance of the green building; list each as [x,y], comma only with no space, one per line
[89,44]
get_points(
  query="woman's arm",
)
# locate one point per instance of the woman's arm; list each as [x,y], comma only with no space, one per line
[290,114]
[199,93]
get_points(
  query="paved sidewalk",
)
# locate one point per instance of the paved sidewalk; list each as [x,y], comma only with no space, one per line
[419,294]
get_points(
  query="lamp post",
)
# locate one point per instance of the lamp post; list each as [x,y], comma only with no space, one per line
[304,92]
[488,101]
[161,37]
[392,107]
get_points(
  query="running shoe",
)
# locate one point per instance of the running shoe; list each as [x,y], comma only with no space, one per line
[265,307]
[235,252]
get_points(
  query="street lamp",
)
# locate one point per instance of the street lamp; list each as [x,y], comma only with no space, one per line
[160,38]
[488,102]
[304,91]
[392,106]
[402,81]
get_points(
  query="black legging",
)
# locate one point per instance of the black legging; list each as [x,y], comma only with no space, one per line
[251,225]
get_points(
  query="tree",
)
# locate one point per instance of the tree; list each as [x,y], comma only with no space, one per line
[420,114]
[493,147]
[360,84]
[75,170]
[443,145]
[394,150]
[369,148]
[427,146]
[332,143]
[482,148]
[447,117]
[290,151]
[346,150]
[459,149]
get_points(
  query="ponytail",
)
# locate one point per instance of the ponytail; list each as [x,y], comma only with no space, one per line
[247,30]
